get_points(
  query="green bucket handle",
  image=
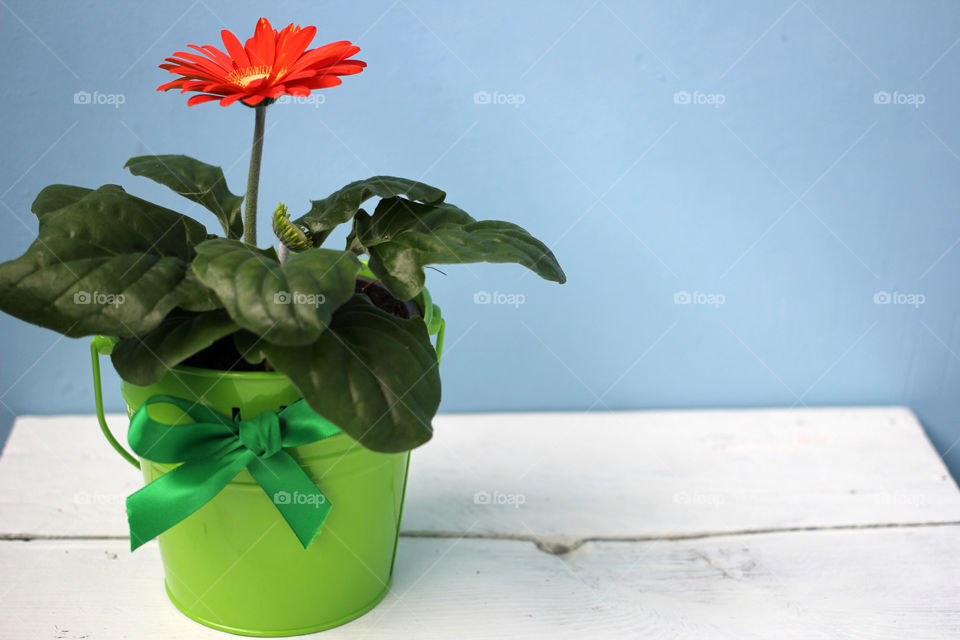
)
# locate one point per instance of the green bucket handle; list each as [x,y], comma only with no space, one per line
[103,345]
[433,318]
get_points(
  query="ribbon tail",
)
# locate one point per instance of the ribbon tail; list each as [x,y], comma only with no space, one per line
[298,499]
[177,494]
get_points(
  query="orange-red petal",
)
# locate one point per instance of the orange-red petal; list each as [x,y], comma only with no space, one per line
[235,49]
[322,82]
[226,101]
[199,99]
[291,45]
[254,100]
[173,84]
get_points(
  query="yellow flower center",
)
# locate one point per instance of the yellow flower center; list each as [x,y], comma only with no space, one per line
[243,77]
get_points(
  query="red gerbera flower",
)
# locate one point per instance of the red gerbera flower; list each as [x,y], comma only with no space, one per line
[270,65]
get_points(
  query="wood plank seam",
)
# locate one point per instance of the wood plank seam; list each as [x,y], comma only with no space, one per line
[558,545]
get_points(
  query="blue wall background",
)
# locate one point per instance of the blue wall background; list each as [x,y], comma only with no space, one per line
[795,202]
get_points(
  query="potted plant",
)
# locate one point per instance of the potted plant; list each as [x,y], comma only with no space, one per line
[274,395]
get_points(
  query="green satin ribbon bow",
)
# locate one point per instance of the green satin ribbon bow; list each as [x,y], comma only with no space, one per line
[213,451]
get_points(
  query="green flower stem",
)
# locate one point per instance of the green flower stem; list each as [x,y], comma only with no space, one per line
[253,178]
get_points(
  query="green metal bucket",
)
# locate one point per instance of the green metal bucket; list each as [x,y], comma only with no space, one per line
[235,565]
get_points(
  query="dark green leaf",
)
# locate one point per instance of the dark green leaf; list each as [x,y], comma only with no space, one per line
[402,237]
[144,359]
[201,182]
[109,263]
[341,205]
[57,196]
[395,216]
[196,296]
[289,304]
[250,346]
[372,374]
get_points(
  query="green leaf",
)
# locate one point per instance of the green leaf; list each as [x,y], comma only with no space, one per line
[250,346]
[144,359]
[57,196]
[372,374]
[395,216]
[201,182]
[196,296]
[402,237]
[341,205]
[289,304]
[109,263]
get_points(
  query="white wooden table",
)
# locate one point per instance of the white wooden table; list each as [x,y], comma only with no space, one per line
[814,523]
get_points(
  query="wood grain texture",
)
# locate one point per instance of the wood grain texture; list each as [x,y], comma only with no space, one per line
[878,584]
[678,472]
[567,475]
